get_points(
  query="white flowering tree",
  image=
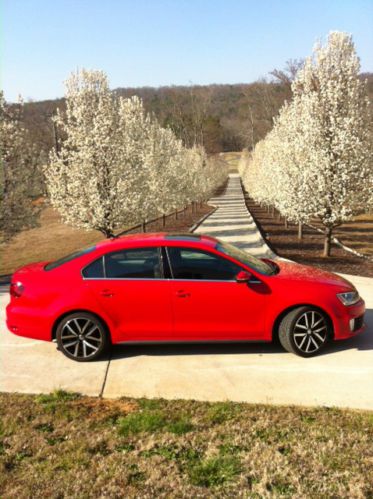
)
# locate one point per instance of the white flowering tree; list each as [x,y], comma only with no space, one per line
[317,160]
[336,113]
[16,174]
[87,180]
[116,165]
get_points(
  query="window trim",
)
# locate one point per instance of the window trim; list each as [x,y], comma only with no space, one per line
[106,278]
[201,251]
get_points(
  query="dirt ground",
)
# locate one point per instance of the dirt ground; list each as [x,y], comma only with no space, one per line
[53,239]
[284,241]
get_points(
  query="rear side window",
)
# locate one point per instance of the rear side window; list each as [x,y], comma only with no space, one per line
[68,258]
[94,270]
[137,263]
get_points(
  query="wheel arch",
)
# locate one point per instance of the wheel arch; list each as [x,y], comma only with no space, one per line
[75,311]
[277,321]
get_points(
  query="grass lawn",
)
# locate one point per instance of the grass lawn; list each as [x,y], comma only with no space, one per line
[232,158]
[66,445]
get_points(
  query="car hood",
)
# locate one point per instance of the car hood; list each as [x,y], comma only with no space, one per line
[297,272]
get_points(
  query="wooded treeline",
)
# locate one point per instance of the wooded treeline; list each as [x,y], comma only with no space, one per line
[219,117]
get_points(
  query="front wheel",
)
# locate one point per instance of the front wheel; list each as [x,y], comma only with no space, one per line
[304,331]
[82,337]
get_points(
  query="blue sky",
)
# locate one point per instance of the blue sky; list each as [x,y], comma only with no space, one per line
[164,42]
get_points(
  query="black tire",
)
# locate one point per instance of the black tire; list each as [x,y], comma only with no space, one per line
[304,331]
[82,337]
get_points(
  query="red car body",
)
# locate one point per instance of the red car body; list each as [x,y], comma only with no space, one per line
[170,309]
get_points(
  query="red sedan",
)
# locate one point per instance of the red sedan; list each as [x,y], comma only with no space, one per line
[179,288]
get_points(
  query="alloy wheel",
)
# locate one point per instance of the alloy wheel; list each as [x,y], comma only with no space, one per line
[81,337]
[310,332]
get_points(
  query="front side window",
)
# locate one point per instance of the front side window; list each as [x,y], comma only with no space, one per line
[188,263]
[134,263]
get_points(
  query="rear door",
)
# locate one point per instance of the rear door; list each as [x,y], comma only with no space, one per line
[208,302]
[130,287]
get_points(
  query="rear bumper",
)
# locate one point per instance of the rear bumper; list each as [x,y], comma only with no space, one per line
[349,321]
[29,322]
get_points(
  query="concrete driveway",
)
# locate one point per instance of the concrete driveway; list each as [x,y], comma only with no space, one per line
[342,376]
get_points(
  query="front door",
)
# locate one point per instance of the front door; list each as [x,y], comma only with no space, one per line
[208,303]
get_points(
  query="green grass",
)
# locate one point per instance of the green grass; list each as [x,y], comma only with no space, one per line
[150,419]
[213,471]
[222,411]
[141,422]
[67,445]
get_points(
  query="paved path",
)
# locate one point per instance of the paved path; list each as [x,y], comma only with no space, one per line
[233,223]
[341,376]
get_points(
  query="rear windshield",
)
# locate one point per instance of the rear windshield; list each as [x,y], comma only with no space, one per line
[68,258]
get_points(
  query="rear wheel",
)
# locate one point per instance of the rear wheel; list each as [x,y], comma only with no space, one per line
[304,331]
[82,337]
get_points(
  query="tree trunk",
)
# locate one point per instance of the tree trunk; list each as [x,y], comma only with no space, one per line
[107,233]
[55,137]
[328,241]
[279,215]
[300,230]
[164,220]
[273,211]
[143,225]
[286,223]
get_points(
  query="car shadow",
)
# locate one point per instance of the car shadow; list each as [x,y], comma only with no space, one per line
[169,349]
[361,342]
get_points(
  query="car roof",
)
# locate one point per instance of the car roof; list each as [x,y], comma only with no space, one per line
[156,238]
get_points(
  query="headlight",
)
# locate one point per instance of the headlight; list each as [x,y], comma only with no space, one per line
[349,298]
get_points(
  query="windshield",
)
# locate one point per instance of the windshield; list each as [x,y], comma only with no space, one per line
[68,258]
[245,258]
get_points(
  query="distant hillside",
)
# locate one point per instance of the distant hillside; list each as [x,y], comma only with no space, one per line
[221,117]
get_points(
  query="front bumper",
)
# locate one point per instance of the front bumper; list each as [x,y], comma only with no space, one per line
[349,321]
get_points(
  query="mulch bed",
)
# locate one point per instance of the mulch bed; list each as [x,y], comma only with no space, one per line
[284,242]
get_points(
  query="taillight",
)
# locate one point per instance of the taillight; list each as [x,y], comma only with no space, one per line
[16,289]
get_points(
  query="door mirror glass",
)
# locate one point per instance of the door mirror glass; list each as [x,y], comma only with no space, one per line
[243,276]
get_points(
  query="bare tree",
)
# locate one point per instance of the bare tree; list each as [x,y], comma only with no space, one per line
[287,75]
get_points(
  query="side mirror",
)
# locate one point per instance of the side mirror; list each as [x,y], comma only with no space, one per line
[243,276]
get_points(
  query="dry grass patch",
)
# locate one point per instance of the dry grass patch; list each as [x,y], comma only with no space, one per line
[53,239]
[49,241]
[66,445]
[232,158]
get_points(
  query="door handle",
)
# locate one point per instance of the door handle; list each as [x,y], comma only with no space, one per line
[106,293]
[182,294]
